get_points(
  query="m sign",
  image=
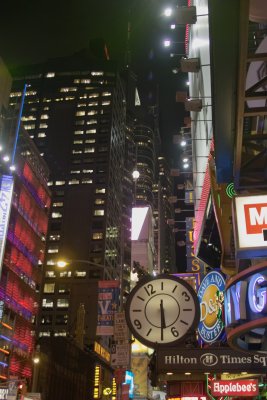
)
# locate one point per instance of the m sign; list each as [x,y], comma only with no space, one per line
[250,222]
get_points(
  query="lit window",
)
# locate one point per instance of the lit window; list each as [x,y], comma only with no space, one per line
[62,303]
[88,171]
[92,112]
[86,180]
[51,262]
[29,118]
[77,142]
[44,334]
[78,132]
[86,81]
[65,274]
[49,288]
[43,126]
[50,274]
[68,89]
[50,75]
[80,274]
[106,94]
[58,204]
[80,113]
[31,93]
[62,288]
[52,250]
[15,94]
[44,116]
[105,103]
[54,238]
[47,303]
[60,183]
[76,81]
[91,122]
[76,151]
[89,150]
[99,201]
[99,213]
[60,333]
[75,171]
[81,122]
[84,96]
[91,131]
[41,134]
[93,95]
[74,182]
[56,215]
[97,73]
[97,235]
[92,103]
[102,190]
[29,127]
[81,105]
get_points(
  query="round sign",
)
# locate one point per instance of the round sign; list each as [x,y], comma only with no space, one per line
[210,299]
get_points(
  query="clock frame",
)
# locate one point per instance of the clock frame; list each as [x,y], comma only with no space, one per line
[162,310]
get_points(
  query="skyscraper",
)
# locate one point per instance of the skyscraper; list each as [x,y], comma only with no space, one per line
[75,113]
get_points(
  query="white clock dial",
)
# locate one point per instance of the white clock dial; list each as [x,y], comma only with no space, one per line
[162,310]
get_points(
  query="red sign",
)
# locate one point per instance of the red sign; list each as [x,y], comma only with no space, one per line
[125,388]
[256,217]
[244,387]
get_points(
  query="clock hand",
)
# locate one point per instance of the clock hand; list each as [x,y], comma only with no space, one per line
[162,318]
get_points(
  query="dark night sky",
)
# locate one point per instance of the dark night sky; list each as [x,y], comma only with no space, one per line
[32,31]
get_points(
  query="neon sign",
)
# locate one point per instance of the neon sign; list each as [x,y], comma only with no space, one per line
[245,305]
[251,292]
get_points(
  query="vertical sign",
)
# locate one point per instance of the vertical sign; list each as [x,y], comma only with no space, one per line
[108,300]
[6,190]
[193,263]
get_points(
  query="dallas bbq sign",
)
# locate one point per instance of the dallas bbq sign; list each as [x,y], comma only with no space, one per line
[250,225]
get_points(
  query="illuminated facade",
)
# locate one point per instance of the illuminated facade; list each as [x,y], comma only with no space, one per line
[22,259]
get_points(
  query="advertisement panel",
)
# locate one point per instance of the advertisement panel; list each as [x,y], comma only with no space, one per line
[6,191]
[108,301]
[250,216]
[243,387]
[210,295]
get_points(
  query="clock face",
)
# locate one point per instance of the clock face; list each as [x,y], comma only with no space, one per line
[162,310]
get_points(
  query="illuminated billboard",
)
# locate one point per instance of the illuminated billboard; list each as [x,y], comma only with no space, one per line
[250,217]
[6,191]
[142,245]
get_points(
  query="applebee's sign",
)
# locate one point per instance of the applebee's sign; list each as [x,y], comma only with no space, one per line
[244,387]
[250,223]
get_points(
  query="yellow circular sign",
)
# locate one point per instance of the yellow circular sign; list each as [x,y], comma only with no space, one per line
[107,391]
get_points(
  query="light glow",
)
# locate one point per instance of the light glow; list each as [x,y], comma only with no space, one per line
[167,43]
[168,12]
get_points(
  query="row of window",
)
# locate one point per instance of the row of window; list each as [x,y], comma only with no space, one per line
[56,333]
[97,213]
[59,303]
[59,319]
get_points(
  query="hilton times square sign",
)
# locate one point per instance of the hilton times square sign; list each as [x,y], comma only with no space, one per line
[210,360]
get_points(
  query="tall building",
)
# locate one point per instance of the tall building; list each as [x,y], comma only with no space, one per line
[75,113]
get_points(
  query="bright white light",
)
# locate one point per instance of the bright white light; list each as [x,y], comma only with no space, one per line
[36,360]
[135,174]
[186,165]
[6,158]
[167,43]
[185,160]
[1,147]
[12,167]
[173,26]
[188,83]
[139,215]
[62,264]
[183,143]
[168,12]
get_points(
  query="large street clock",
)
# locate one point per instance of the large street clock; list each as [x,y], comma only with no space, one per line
[162,310]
